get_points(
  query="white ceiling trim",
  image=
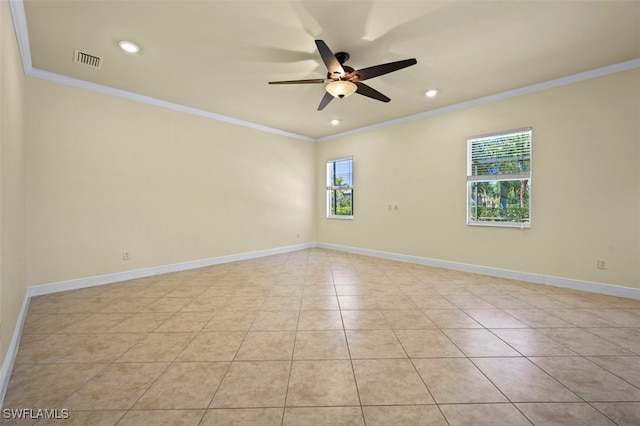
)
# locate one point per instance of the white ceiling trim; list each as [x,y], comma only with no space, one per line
[22,34]
[107,90]
[586,75]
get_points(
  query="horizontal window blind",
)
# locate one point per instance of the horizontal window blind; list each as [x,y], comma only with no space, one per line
[504,156]
[499,179]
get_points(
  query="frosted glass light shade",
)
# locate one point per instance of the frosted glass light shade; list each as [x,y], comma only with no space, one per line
[341,89]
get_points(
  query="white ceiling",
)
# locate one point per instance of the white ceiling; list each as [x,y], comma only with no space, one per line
[217,56]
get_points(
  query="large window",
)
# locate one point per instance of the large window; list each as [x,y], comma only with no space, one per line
[340,188]
[499,179]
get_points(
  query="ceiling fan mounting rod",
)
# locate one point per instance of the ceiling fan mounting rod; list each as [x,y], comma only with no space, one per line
[342,57]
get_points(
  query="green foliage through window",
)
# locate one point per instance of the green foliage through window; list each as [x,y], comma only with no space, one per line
[340,188]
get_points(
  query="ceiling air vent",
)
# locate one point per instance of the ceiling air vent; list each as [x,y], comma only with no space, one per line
[87,59]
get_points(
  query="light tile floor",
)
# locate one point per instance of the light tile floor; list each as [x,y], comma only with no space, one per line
[322,337]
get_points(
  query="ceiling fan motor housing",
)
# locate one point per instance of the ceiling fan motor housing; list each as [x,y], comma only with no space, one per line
[344,80]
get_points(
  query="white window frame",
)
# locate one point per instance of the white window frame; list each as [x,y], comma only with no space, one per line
[473,176]
[331,187]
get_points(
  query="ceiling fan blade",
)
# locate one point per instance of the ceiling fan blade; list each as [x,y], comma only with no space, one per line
[329,59]
[370,92]
[376,70]
[328,97]
[310,81]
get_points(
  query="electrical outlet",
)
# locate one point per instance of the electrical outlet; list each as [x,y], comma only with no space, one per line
[125,255]
[602,264]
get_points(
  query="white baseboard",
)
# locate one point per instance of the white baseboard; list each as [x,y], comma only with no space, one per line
[593,287]
[38,290]
[55,287]
[12,350]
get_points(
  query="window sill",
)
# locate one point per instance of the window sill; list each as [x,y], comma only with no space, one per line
[501,225]
[340,217]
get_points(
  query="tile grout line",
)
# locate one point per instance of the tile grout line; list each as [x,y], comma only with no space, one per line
[353,371]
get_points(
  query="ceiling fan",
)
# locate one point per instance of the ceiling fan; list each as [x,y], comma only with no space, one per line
[343,80]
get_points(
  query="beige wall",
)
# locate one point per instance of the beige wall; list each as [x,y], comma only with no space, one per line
[106,175]
[585,184]
[13,272]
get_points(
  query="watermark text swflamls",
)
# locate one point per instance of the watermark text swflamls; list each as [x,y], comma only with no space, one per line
[35,413]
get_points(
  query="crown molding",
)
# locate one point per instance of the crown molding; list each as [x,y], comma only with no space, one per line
[22,34]
[562,81]
[108,90]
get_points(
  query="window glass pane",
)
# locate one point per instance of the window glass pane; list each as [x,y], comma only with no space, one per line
[342,173]
[340,188]
[341,202]
[499,178]
[500,201]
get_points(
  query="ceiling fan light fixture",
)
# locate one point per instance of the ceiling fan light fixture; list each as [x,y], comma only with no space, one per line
[341,88]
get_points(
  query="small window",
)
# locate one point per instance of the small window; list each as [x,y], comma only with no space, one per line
[340,188]
[499,179]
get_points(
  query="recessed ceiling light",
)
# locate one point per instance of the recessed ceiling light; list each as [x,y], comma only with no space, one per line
[431,93]
[129,46]
[335,121]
